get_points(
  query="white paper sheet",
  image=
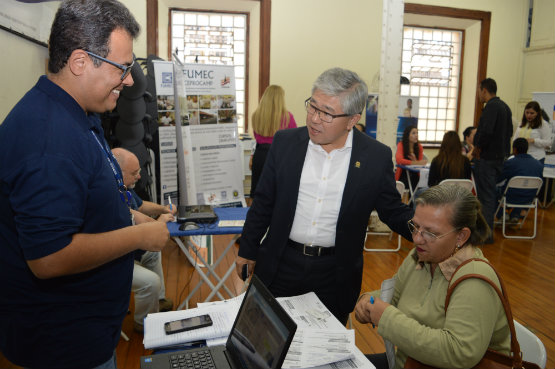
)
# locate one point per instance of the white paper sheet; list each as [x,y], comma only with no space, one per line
[313,347]
[309,312]
[155,335]
[386,294]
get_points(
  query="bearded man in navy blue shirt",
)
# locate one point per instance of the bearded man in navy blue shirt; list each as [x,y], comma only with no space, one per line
[66,234]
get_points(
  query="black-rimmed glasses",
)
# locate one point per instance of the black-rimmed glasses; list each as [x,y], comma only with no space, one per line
[426,235]
[322,115]
[125,68]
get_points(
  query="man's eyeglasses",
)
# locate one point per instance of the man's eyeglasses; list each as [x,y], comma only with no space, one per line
[125,68]
[426,235]
[322,115]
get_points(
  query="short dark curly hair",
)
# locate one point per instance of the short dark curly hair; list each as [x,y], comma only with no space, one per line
[87,25]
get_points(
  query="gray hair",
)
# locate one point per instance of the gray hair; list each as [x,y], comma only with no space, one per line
[87,25]
[466,209]
[347,85]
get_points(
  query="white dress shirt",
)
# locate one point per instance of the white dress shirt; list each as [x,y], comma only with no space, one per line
[320,193]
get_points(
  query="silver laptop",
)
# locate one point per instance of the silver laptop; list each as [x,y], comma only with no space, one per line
[260,338]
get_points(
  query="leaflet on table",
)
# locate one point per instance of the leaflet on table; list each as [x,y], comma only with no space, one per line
[358,362]
[309,312]
[386,294]
[417,166]
[155,335]
[313,347]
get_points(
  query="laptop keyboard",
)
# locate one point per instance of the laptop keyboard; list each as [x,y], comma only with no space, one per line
[195,360]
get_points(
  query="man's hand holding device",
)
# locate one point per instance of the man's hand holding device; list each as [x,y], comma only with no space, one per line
[244,267]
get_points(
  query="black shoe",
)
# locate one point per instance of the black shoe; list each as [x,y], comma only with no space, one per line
[165,305]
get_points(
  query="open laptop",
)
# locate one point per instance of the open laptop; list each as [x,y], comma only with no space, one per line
[260,338]
[196,214]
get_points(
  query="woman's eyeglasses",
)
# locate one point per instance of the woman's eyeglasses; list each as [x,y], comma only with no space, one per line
[426,235]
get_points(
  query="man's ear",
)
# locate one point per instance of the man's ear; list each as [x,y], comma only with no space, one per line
[353,120]
[78,62]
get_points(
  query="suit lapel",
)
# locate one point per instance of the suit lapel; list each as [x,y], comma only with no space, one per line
[357,167]
[294,168]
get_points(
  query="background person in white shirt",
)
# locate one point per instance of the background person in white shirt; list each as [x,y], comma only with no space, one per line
[318,187]
[535,130]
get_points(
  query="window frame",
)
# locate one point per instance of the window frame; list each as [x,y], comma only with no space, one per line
[437,143]
[244,128]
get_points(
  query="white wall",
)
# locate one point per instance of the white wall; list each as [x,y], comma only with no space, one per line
[310,36]
[19,70]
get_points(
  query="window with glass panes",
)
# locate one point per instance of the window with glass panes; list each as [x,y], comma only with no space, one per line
[214,38]
[431,61]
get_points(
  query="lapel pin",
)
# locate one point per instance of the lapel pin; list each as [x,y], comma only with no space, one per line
[357,164]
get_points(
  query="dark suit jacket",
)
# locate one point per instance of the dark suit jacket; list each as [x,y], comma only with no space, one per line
[370,185]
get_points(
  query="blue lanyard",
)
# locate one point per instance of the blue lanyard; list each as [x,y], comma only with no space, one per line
[124,194]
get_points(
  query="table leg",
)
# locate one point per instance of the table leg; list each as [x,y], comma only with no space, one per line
[210,271]
[407,172]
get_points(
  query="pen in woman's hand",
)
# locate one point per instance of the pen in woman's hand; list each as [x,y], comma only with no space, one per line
[372,302]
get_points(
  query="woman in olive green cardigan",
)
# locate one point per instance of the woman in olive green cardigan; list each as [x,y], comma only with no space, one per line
[447,228]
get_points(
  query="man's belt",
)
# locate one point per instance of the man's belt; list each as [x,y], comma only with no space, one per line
[311,250]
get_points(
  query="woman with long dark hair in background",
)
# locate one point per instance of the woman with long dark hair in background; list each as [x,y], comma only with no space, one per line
[449,163]
[409,152]
[535,130]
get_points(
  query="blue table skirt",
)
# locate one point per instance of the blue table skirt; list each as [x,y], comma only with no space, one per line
[212,228]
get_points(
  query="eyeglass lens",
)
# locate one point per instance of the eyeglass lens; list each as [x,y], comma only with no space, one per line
[322,115]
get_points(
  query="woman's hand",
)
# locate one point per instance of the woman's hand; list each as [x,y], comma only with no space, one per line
[362,310]
[366,312]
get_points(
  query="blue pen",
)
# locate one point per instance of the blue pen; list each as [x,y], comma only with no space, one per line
[170,202]
[372,302]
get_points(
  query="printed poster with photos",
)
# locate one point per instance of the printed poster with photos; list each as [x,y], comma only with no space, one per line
[209,111]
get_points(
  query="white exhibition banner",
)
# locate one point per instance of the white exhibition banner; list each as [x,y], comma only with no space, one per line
[213,167]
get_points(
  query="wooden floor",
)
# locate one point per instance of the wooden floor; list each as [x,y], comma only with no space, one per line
[527,267]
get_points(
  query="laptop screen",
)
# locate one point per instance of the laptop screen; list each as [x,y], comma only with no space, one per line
[262,332]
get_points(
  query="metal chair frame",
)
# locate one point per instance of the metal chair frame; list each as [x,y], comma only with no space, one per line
[525,183]
[401,188]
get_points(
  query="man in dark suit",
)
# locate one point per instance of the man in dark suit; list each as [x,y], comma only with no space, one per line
[492,145]
[318,187]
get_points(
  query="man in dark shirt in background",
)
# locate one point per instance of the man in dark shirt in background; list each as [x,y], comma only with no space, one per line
[492,145]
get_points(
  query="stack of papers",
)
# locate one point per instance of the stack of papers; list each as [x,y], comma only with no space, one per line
[320,341]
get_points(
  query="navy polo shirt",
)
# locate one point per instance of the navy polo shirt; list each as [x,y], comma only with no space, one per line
[55,181]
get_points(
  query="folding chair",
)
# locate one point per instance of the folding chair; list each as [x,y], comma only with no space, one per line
[521,183]
[401,188]
[466,183]
[532,348]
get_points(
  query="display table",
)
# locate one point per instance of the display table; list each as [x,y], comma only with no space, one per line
[424,171]
[549,175]
[207,230]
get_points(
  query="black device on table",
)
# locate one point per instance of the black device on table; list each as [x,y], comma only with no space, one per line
[260,338]
[188,324]
[196,214]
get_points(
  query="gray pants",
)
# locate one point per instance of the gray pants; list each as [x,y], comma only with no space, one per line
[148,285]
